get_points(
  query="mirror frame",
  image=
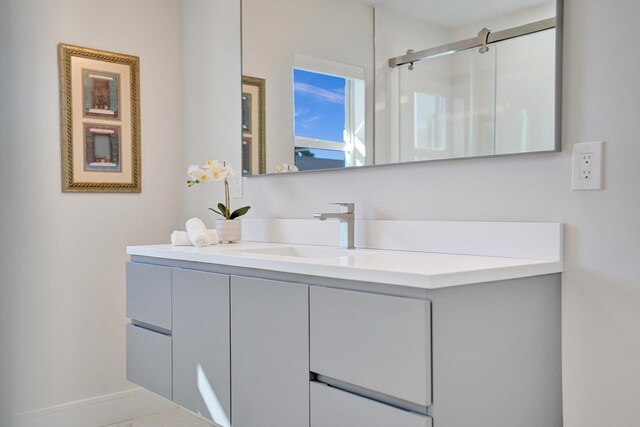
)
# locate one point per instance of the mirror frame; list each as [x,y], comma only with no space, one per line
[559,28]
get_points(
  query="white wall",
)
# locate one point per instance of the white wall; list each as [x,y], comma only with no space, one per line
[212,85]
[64,254]
[6,394]
[601,290]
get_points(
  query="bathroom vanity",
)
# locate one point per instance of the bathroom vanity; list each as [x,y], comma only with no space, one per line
[264,334]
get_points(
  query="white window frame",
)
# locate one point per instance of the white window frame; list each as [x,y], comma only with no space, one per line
[350,73]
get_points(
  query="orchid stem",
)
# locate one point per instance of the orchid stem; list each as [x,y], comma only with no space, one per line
[226,199]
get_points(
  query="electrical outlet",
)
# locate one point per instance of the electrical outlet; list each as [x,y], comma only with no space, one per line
[587,166]
[236,187]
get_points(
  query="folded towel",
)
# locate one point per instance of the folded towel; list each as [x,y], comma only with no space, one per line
[197,232]
[181,238]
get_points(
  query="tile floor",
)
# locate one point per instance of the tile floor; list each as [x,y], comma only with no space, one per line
[174,418]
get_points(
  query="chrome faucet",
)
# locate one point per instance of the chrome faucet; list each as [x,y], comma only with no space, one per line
[346,217]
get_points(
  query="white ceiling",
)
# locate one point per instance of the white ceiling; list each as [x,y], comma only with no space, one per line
[454,13]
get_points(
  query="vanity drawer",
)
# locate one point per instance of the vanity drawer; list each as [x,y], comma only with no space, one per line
[149,360]
[378,342]
[331,407]
[149,294]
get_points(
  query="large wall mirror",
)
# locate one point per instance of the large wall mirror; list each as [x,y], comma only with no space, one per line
[344,83]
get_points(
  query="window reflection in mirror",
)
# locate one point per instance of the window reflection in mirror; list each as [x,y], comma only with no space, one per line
[328,120]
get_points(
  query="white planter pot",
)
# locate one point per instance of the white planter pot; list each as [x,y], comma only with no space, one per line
[228,230]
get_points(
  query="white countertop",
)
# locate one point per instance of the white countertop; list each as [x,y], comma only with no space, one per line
[424,270]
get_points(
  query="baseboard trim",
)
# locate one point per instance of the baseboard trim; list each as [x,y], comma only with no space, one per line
[97,411]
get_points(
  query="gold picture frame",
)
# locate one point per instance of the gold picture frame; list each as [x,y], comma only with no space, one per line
[99,120]
[254,149]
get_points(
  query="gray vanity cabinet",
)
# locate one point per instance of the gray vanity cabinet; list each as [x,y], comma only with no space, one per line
[148,336]
[201,343]
[274,352]
[269,353]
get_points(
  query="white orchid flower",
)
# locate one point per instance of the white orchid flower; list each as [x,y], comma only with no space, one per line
[202,175]
[215,170]
[212,170]
[213,164]
[218,171]
[192,170]
[197,174]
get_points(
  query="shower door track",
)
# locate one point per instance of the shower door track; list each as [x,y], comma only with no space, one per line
[484,38]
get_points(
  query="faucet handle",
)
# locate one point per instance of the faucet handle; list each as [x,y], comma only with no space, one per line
[345,207]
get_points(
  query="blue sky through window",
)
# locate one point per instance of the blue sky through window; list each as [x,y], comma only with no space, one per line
[318,100]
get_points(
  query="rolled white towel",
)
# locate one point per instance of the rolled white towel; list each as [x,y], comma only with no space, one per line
[181,238]
[197,232]
[213,236]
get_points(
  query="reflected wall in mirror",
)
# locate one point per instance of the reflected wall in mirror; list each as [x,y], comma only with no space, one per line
[330,81]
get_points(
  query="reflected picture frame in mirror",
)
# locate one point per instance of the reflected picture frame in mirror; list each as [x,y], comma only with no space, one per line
[514,122]
[253,126]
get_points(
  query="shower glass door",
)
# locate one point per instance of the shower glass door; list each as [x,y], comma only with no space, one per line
[525,93]
[471,104]
[447,107]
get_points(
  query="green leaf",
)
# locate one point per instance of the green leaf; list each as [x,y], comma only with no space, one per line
[223,209]
[240,211]
[211,209]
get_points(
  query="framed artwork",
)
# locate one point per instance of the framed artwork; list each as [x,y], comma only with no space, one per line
[100,120]
[254,152]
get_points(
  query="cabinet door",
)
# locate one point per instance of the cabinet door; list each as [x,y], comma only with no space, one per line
[149,294]
[201,360]
[269,353]
[331,407]
[378,342]
[149,359]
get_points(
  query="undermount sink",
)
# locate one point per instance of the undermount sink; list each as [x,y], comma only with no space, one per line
[302,252]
